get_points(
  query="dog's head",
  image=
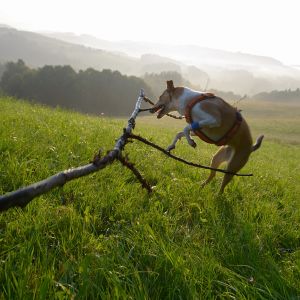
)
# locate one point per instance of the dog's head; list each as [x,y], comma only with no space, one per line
[164,104]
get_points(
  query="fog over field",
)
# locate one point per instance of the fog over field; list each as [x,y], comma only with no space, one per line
[225,70]
[203,67]
[245,48]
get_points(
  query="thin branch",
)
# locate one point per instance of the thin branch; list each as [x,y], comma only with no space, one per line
[139,138]
[207,83]
[135,171]
[235,103]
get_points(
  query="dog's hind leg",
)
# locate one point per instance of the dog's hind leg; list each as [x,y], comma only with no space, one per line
[176,139]
[236,162]
[222,155]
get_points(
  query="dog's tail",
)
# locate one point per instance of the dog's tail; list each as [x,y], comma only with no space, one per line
[257,143]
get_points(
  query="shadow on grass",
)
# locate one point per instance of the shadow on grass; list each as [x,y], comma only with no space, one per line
[241,250]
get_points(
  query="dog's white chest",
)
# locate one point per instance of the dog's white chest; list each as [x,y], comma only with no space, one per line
[185,97]
[198,114]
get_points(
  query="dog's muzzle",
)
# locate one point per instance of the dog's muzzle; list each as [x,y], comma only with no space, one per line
[156,109]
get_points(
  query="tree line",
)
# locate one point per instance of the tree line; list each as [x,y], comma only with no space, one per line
[108,92]
[87,91]
[2,69]
[279,96]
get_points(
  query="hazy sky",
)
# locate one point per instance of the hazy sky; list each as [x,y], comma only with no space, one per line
[261,27]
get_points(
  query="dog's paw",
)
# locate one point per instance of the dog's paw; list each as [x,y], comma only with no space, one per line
[192,143]
[170,148]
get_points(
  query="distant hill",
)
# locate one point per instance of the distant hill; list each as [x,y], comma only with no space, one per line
[5,26]
[224,70]
[187,53]
[38,50]
[204,68]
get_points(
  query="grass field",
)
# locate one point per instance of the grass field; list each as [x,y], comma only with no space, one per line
[103,237]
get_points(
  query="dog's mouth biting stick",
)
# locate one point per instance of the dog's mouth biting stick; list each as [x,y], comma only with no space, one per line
[160,109]
[155,109]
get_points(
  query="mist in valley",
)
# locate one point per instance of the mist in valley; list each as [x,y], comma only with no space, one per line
[230,74]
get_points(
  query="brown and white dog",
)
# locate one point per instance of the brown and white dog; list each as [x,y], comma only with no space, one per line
[216,120]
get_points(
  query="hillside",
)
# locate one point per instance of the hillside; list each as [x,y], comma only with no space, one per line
[240,73]
[228,71]
[196,54]
[38,50]
[102,236]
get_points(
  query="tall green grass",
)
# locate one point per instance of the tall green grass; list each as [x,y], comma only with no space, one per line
[103,237]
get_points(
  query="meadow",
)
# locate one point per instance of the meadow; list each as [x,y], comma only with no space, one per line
[103,237]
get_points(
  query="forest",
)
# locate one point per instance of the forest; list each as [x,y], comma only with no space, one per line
[89,91]
[102,92]
[287,95]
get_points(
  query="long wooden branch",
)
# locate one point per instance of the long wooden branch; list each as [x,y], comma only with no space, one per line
[141,139]
[24,195]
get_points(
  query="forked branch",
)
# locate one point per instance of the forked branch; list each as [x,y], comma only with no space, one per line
[24,195]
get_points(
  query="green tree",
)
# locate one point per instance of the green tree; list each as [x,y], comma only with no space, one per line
[13,78]
[88,91]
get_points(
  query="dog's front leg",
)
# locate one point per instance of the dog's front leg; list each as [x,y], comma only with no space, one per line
[186,131]
[207,120]
[176,139]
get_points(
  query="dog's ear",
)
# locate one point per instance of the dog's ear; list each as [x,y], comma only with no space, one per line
[170,86]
